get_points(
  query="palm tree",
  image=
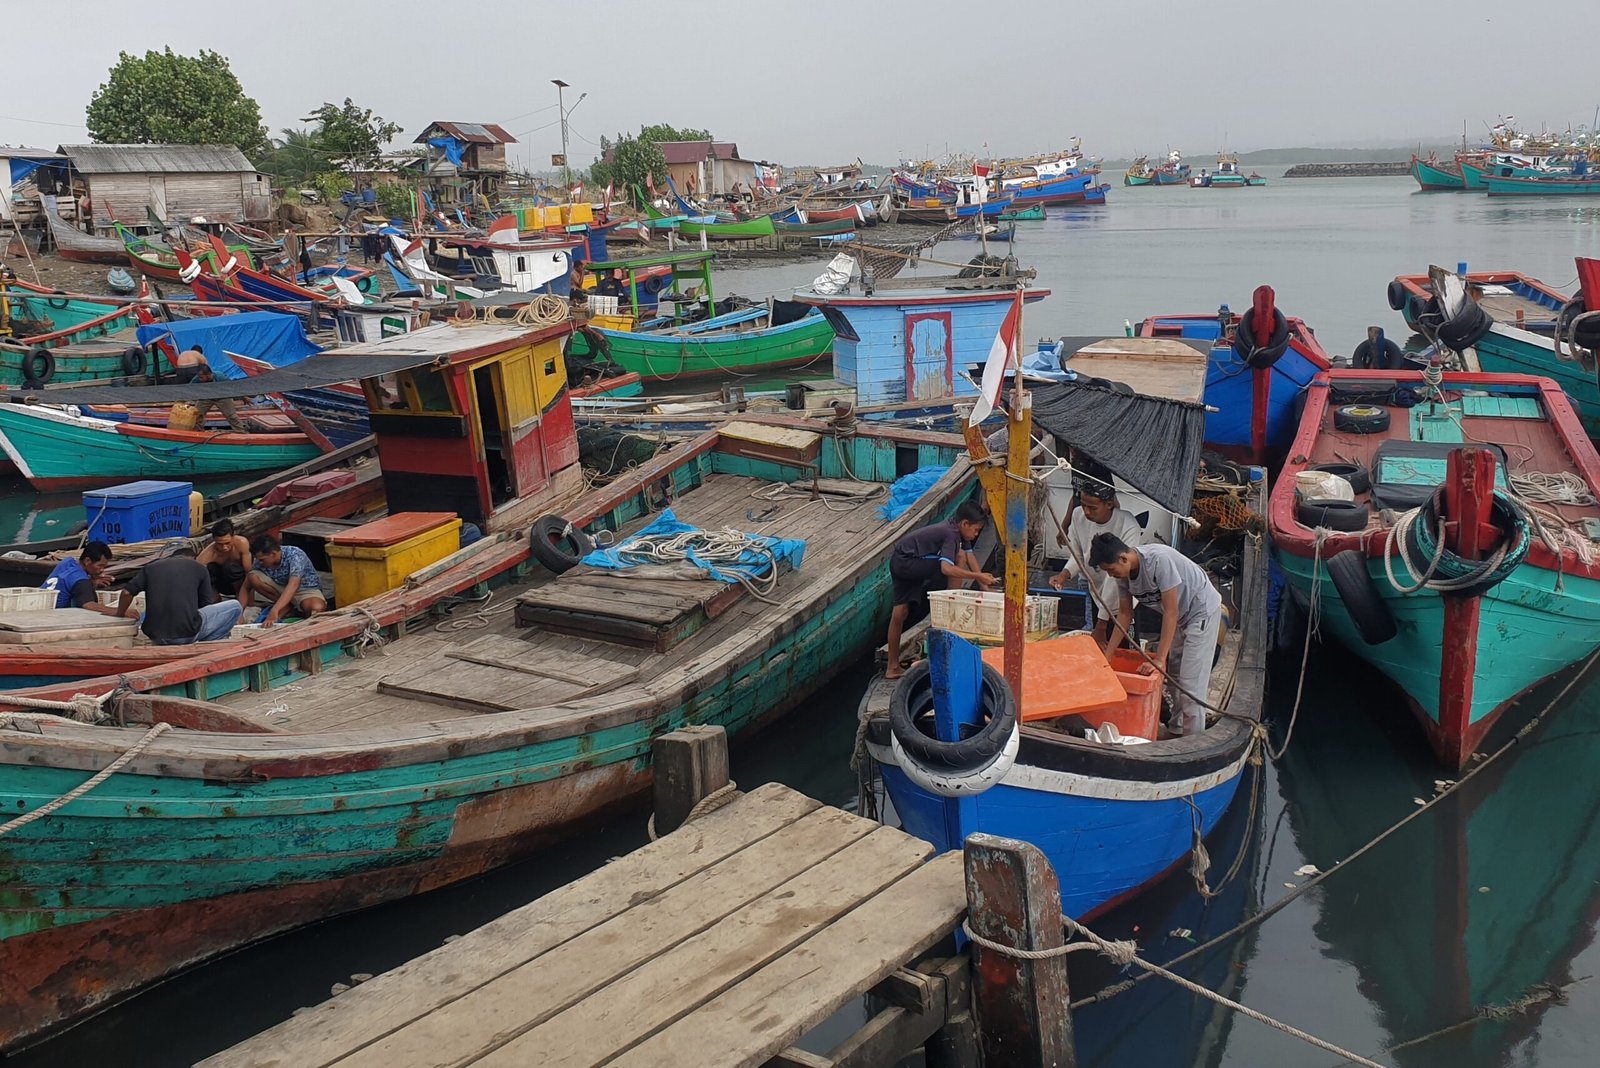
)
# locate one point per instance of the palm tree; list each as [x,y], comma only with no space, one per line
[297,156]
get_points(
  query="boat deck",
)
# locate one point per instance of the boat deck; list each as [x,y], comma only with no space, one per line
[596,631]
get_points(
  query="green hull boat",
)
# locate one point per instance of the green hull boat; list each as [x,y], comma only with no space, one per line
[738,343]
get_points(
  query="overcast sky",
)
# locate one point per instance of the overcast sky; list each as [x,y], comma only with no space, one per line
[826,82]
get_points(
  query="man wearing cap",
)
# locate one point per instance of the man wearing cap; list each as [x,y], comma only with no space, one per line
[1097,513]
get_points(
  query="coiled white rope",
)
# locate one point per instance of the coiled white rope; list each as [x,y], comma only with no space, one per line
[89,784]
[80,708]
[1399,532]
[727,547]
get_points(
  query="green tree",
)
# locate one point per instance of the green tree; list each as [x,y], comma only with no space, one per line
[296,157]
[166,98]
[353,133]
[663,132]
[627,160]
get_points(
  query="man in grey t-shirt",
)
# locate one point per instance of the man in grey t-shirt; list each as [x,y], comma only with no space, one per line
[1160,577]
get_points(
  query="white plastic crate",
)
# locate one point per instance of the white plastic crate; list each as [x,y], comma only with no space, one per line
[112,598]
[601,305]
[980,615]
[26,599]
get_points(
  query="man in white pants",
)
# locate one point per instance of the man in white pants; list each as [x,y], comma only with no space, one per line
[1161,577]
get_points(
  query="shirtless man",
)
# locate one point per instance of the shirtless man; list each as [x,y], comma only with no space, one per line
[226,559]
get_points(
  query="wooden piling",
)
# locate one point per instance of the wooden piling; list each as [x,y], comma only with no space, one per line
[1013,899]
[690,764]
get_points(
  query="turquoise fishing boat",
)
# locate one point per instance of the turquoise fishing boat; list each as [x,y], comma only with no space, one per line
[1435,175]
[58,448]
[37,326]
[1545,185]
[267,806]
[747,341]
[1467,567]
[1029,214]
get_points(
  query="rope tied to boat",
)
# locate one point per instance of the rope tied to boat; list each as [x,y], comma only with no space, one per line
[84,787]
[371,636]
[728,546]
[79,708]
[717,798]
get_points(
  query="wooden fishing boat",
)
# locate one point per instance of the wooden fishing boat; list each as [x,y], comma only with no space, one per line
[761,226]
[1139,173]
[1242,422]
[1436,175]
[987,210]
[1474,591]
[73,244]
[1509,296]
[1254,180]
[1227,175]
[851,213]
[1552,185]
[749,341]
[456,752]
[53,337]
[822,228]
[1033,213]
[150,259]
[1031,754]
[58,448]
[925,211]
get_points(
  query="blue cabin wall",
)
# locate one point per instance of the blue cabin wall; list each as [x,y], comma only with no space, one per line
[876,364]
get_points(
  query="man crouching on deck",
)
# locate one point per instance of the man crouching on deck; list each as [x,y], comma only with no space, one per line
[934,557]
[1162,578]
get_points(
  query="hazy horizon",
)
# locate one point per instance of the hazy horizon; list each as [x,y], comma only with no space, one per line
[845,81]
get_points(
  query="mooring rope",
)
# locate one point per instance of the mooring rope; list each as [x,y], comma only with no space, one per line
[728,547]
[717,798]
[89,784]
[1124,953]
[80,708]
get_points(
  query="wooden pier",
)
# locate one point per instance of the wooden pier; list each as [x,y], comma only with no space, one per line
[721,943]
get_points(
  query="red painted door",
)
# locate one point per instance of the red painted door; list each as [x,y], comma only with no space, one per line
[930,361]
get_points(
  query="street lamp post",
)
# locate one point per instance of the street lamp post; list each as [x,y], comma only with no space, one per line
[566,171]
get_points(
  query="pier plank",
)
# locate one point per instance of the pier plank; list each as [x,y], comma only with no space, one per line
[385,1004]
[827,846]
[672,985]
[747,1024]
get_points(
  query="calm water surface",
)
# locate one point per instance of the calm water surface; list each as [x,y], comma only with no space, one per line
[1485,899]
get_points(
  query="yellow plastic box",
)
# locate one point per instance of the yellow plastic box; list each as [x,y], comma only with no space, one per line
[376,557]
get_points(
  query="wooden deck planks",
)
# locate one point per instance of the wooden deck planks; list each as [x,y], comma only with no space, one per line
[743,1025]
[389,1002]
[674,984]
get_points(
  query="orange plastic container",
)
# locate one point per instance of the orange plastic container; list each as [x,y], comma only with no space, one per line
[1063,675]
[1139,714]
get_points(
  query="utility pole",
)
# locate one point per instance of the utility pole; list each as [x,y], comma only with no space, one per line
[566,171]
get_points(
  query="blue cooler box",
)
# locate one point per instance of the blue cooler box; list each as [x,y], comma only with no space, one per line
[138,511]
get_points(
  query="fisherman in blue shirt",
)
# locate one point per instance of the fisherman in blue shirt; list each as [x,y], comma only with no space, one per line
[934,557]
[282,576]
[75,580]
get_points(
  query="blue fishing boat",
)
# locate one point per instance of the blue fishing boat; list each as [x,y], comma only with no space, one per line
[1464,560]
[1030,754]
[987,210]
[1241,416]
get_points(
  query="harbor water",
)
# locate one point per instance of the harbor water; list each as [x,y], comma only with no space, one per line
[1466,938]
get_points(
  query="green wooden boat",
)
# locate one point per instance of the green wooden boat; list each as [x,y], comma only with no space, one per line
[271,806]
[826,228]
[760,226]
[150,259]
[32,317]
[740,342]
[1032,214]
[57,448]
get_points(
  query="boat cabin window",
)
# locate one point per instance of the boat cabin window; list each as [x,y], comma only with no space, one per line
[421,391]
[522,264]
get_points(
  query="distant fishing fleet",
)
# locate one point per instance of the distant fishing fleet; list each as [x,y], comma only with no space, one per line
[1513,164]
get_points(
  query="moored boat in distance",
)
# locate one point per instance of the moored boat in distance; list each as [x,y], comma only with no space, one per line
[50,336]
[1435,175]
[73,244]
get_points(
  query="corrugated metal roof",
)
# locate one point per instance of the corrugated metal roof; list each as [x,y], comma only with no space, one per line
[156,159]
[473,133]
[678,152]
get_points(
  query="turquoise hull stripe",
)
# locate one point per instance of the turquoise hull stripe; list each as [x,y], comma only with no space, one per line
[1511,354]
[1526,631]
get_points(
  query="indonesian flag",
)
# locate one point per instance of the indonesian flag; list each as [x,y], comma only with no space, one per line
[576,191]
[980,170]
[609,190]
[1003,353]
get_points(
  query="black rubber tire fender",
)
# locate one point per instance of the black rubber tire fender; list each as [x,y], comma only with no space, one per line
[1355,474]
[1398,294]
[1365,358]
[1262,356]
[1361,418]
[133,361]
[59,300]
[39,365]
[1466,329]
[1362,601]
[912,702]
[549,543]
[1346,517]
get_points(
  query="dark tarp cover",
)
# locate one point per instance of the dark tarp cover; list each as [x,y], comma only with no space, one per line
[327,369]
[271,337]
[1152,442]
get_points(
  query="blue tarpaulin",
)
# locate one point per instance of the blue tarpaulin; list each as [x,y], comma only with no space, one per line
[451,148]
[271,337]
[908,489]
[750,564]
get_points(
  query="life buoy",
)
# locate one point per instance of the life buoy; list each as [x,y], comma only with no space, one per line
[1398,294]
[961,768]
[557,544]
[653,285]
[1362,601]
[39,365]
[1347,517]
[1466,328]
[133,361]
[1260,357]
[58,300]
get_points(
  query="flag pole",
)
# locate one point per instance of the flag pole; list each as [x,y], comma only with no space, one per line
[1019,447]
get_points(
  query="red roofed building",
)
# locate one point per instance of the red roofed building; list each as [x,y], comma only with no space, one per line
[483,144]
[709,168]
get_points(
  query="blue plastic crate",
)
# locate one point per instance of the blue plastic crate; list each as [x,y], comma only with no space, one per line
[138,511]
